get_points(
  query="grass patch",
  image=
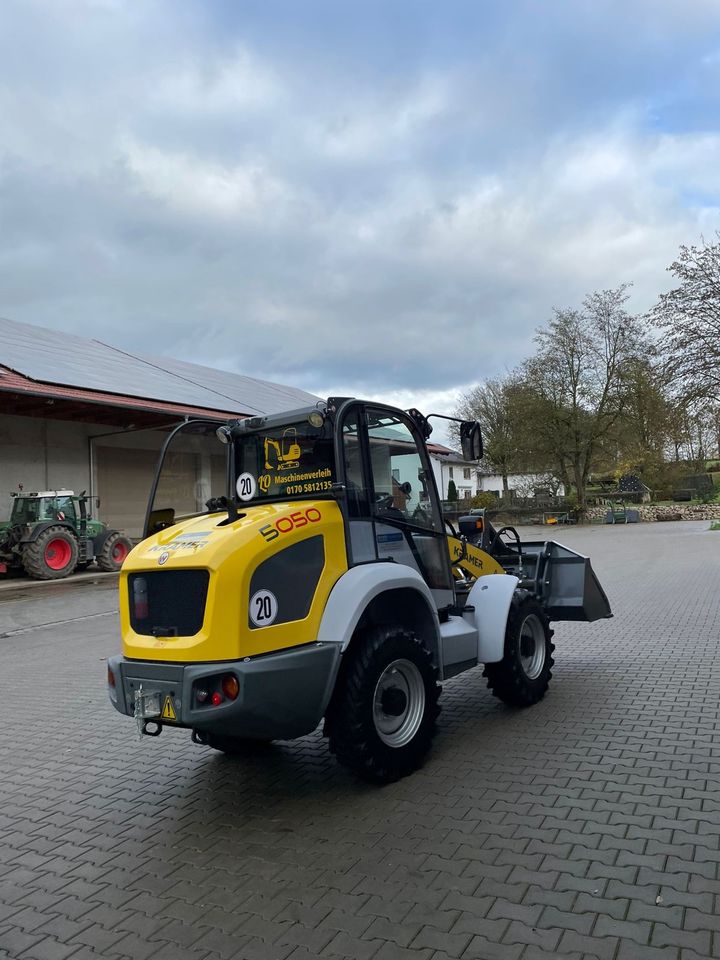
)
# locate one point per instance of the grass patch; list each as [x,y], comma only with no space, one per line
[715,525]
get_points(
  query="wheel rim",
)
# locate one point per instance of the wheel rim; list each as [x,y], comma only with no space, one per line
[57,553]
[532,646]
[119,552]
[399,703]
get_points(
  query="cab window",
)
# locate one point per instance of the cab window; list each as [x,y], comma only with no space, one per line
[400,478]
[294,460]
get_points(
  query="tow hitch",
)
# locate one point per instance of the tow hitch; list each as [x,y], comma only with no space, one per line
[147,710]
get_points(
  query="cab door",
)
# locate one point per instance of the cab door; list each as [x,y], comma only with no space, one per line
[393,507]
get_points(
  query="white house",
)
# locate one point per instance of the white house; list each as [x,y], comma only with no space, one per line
[470,479]
[448,465]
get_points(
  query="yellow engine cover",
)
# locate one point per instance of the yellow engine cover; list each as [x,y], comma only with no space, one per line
[236,555]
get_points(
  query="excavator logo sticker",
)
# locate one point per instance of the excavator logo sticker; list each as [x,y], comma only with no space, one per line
[168,710]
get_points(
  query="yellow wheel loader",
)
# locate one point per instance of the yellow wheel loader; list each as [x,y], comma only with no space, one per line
[266,600]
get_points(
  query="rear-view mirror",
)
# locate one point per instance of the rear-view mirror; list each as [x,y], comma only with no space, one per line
[471,440]
[160,520]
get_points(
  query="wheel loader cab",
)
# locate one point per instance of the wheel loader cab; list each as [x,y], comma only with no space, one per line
[367,461]
[391,502]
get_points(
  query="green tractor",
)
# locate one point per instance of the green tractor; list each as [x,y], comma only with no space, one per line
[51,535]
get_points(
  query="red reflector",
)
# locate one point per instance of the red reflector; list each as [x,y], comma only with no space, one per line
[111,677]
[230,686]
[216,699]
[140,598]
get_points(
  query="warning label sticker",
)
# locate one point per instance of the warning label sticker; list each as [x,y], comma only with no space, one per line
[168,710]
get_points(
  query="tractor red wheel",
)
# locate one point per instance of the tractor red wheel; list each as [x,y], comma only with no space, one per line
[120,551]
[113,552]
[57,553]
[52,555]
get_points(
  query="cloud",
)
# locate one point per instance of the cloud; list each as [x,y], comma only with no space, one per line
[375,200]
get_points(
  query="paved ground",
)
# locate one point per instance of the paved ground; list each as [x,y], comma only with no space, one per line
[587,826]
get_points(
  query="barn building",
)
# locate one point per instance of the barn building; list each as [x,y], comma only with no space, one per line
[79,414]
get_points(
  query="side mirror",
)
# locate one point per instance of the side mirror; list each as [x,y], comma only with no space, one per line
[471,440]
[160,520]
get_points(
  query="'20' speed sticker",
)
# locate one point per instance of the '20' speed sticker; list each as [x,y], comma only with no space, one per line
[246,486]
[263,608]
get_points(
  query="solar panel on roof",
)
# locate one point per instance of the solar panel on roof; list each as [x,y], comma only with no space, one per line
[51,356]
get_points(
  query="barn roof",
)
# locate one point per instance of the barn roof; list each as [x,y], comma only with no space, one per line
[98,370]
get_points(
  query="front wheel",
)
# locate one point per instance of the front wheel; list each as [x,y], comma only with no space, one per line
[381,721]
[113,552]
[523,675]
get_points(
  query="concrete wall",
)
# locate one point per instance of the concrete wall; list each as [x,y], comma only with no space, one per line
[43,454]
[53,454]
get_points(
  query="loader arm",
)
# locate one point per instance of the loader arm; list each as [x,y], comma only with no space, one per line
[473,561]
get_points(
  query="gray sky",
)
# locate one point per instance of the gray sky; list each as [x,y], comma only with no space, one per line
[379,199]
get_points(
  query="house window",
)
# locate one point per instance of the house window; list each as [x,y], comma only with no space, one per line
[466,473]
[451,473]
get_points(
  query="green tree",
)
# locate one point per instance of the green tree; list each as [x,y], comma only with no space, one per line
[452,492]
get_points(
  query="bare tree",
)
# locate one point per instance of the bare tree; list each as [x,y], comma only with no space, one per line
[689,318]
[576,385]
[491,403]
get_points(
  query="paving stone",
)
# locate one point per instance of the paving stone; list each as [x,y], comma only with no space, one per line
[556,827]
[630,950]
[664,935]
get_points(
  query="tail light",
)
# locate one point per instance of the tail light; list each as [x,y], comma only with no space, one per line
[230,686]
[110,678]
[140,598]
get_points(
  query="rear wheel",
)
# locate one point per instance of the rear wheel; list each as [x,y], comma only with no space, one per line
[522,677]
[52,555]
[113,552]
[381,721]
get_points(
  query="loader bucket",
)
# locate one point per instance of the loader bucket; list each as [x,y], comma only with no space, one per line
[567,583]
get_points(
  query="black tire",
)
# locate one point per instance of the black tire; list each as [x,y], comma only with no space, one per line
[113,552]
[236,746]
[360,708]
[56,545]
[522,677]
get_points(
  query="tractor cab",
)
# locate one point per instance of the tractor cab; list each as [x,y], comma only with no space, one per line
[44,505]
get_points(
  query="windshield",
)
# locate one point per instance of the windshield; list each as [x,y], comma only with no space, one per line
[193,471]
[293,460]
